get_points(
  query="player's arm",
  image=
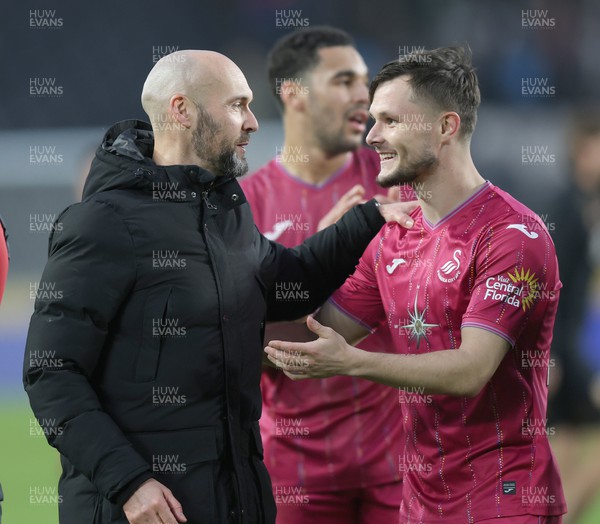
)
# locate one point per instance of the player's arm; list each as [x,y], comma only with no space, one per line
[328,315]
[484,339]
[322,262]
[350,199]
[347,327]
[460,372]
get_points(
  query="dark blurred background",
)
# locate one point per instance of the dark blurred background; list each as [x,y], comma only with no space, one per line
[102,51]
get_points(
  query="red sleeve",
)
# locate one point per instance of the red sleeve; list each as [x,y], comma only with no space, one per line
[359,296]
[248,189]
[3,261]
[253,186]
[516,271]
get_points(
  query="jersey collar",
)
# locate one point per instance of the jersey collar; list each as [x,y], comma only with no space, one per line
[432,227]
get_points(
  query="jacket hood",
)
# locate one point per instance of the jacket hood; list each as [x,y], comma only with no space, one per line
[124,161]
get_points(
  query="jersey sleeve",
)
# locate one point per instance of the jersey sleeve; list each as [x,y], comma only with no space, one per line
[259,193]
[3,258]
[247,184]
[515,278]
[359,297]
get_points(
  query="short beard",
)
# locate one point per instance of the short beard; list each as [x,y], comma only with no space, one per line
[226,163]
[203,137]
[231,165]
[408,174]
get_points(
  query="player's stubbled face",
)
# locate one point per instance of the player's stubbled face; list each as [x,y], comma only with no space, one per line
[402,134]
[338,99]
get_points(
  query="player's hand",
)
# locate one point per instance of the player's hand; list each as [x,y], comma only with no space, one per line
[399,212]
[353,197]
[327,356]
[153,503]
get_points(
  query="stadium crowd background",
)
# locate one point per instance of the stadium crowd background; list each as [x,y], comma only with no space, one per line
[71,69]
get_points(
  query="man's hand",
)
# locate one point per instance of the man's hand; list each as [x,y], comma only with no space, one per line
[327,356]
[153,503]
[390,207]
[353,197]
[399,212]
[393,195]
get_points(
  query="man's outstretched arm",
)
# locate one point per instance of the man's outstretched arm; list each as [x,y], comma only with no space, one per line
[321,264]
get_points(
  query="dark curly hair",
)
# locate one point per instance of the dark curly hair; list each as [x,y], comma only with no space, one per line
[296,54]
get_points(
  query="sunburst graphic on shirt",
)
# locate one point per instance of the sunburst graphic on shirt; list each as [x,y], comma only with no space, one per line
[529,286]
[418,326]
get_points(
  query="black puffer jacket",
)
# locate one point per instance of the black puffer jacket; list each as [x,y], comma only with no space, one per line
[144,352]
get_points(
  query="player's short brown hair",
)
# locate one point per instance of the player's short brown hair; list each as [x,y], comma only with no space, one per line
[444,77]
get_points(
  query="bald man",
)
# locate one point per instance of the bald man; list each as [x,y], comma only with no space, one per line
[143,358]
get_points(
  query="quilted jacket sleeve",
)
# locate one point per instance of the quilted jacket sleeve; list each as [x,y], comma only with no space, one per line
[299,279]
[90,270]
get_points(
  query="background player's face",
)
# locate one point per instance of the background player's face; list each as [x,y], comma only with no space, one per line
[402,134]
[224,124]
[586,159]
[338,99]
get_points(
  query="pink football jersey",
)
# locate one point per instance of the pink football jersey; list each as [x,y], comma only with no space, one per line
[489,264]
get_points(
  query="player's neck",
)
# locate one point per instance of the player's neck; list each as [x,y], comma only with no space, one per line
[442,191]
[310,163]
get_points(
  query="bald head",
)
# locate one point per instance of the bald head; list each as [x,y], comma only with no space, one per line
[197,75]
[199,107]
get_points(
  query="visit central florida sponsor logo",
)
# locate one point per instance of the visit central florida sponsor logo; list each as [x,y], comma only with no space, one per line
[518,289]
[529,286]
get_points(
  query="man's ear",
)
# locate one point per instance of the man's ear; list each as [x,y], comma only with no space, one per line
[449,125]
[179,107]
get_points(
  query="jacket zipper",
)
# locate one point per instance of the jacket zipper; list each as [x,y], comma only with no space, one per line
[236,482]
[209,204]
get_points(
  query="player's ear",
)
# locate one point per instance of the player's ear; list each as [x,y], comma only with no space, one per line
[293,94]
[449,125]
